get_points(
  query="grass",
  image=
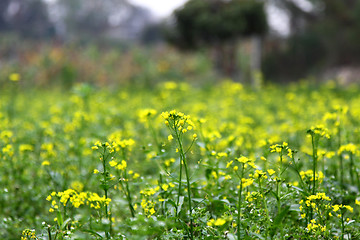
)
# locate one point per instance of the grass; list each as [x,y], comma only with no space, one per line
[280,162]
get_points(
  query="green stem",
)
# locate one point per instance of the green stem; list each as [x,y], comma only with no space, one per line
[351,169]
[180,174]
[104,157]
[341,161]
[128,195]
[278,188]
[127,188]
[266,209]
[154,136]
[342,225]
[314,146]
[49,233]
[183,162]
[189,198]
[239,205]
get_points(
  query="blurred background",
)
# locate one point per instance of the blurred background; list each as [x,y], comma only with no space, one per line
[114,42]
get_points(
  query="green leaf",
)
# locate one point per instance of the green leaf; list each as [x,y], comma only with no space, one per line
[181,201]
[60,220]
[230,236]
[275,195]
[92,232]
[278,220]
[64,224]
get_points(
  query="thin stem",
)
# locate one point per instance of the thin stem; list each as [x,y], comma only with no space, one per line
[184,162]
[189,198]
[128,195]
[342,225]
[127,188]
[266,209]
[298,173]
[180,174]
[314,146]
[183,159]
[239,204]
[104,158]
[341,160]
[153,132]
[351,169]
[49,233]
[278,186]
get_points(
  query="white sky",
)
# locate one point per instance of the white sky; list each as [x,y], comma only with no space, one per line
[160,8]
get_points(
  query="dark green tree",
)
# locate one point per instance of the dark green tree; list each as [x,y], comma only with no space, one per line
[218,25]
[322,36]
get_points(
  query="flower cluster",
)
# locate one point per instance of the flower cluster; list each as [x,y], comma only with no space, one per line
[28,234]
[76,199]
[308,176]
[350,148]
[217,222]
[178,122]
[282,149]
[314,227]
[319,131]
[319,203]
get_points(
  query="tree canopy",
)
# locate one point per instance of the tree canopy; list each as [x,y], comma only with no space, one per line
[201,22]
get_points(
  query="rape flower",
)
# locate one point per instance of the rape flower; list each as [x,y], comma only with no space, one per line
[170,137]
[271,172]
[45,163]
[14,77]
[112,163]
[219,222]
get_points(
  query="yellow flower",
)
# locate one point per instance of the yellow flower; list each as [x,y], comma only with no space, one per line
[152,211]
[14,77]
[219,222]
[229,164]
[112,163]
[45,163]
[165,187]
[122,165]
[243,159]
[210,222]
[170,137]
[271,171]
[96,171]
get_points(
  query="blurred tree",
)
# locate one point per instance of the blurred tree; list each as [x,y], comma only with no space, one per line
[82,18]
[152,34]
[4,6]
[323,35]
[31,19]
[98,19]
[28,18]
[218,24]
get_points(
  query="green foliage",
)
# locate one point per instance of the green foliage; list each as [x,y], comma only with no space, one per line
[321,38]
[201,22]
[91,163]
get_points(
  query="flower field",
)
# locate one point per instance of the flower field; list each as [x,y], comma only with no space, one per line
[180,162]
